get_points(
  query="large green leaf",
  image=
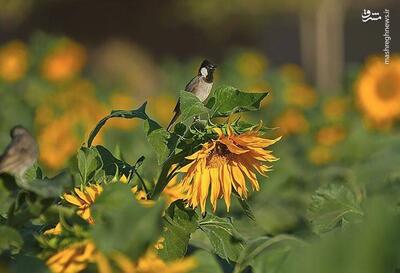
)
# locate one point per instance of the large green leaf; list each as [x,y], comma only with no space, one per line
[138,113]
[223,237]
[266,254]
[24,263]
[227,100]
[179,222]
[10,240]
[333,205]
[122,224]
[191,106]
[48,187]
[378,169]
[368,247]
[206,263]
[89,162]
[111,164]
[157,136]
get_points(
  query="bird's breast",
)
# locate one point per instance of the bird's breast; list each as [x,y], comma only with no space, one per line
[202,90]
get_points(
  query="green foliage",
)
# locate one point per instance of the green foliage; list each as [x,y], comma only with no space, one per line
[156,135]
[10,240]
[224,239]
[191,106]
[207,262]
[227,100]
[122,224]
[178,223]
[48,187]
[138,113]
[265,254]
[88,163]
[332,206]
[35,265]
[372,246]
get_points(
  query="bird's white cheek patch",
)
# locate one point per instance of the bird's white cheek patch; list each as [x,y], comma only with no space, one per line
[204,72]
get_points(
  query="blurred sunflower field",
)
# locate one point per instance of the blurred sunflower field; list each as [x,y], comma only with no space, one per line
[275,176]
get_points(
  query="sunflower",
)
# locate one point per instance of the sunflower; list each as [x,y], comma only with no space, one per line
[174,191]
[251,64]
[378,90]
[292,72]
[224,164]
[151,263]
[291,122]
[13,61]
[301,95]
[320,155]
[330,135]
[83,199]
[335,108]
[72,259]
[64,62]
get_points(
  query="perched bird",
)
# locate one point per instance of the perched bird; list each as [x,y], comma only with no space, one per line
[200,85]
[20,154]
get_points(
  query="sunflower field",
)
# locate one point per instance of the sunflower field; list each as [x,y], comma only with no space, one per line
[269,175]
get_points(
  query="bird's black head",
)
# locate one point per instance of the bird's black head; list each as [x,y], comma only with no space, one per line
[206,70]
[18,131]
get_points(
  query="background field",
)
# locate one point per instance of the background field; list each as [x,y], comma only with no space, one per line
[66,64]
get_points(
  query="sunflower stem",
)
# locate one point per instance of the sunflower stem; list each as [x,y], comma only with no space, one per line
[141,182]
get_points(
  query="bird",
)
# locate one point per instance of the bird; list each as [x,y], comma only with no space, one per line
[20,154]
[200,86]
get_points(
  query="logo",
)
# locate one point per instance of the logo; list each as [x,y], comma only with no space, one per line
[367,15]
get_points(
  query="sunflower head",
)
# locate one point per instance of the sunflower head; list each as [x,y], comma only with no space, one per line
[226,164]
[378,91]
[83,199]
[291,122]
[72,259]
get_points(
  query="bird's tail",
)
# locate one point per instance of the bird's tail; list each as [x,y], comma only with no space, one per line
[174,118]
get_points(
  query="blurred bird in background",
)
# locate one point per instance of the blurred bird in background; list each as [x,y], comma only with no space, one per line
[200,85]
[20,154]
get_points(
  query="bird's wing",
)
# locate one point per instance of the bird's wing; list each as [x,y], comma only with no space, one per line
[189,87]
[192,84]
[15,152]
[10,156]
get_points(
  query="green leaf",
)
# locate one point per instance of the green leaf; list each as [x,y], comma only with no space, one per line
[227,100]
[223,237]
[33,172]
[88,163]
[22,263]
[331,206]
[158,138]
[206,262]
[10,240]
[368,247]
[138,113]
[122,224]
[266,254]
[7,188]
[48,187]
[245,206]
[179,222]
[191,106]
[111,164]
[162,180]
